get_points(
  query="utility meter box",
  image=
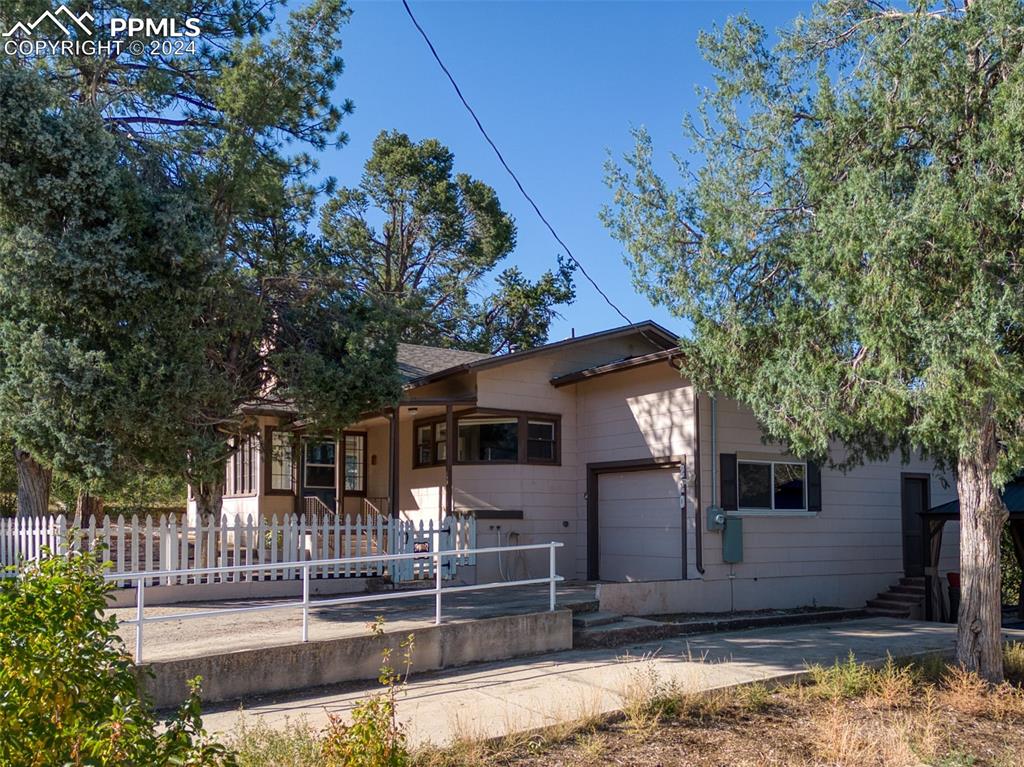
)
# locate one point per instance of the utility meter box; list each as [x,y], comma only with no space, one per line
[715,518]
[732,540]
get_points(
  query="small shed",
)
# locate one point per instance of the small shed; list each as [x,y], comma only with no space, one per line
[935,519]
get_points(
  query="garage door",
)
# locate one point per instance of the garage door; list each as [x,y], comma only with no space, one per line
[640,533]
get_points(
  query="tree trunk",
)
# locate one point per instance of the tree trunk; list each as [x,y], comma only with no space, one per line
[209,498]
[88,506]
[982,515]
[33,485]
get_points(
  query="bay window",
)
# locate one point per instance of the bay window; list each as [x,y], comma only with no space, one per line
[488,437]
[355,463]
[282,473]
[240,471]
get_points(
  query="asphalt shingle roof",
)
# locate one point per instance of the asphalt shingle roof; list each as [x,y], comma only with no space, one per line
[415,361]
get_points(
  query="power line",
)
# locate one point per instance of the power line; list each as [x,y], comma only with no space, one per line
[509,170]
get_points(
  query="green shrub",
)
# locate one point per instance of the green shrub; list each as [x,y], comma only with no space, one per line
[848,679]
[69,692]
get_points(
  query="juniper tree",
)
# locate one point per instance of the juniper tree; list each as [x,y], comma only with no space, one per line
[234,122]
[107,284]
[440,237]
[848,247]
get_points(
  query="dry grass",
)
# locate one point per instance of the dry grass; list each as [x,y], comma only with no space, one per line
[847,715]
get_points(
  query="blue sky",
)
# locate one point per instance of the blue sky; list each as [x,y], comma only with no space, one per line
[558,85]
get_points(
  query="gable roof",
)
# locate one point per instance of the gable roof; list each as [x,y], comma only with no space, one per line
[416,361]
[660,339]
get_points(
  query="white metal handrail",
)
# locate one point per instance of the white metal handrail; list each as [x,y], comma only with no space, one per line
[305,603]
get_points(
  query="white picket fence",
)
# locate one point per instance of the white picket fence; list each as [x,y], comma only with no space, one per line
[142,544]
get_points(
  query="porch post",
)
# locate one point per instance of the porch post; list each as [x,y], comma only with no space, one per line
[450,447]
[393,473]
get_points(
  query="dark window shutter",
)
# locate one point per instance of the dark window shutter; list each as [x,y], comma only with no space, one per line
[727,464]
[813,487]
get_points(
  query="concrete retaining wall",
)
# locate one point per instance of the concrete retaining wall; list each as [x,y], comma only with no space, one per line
[229,676]
[711,596]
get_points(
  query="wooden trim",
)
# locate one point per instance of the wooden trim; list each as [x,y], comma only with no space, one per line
[366,466]
[594,471]
[449,430]
[614,367]
[493,513]
[268,463]
[393,458]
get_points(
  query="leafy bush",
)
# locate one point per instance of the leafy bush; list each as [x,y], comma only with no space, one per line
[70,694]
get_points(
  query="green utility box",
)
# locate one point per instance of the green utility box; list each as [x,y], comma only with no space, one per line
[732,540]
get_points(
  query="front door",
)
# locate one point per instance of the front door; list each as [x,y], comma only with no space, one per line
[319,470]
[914,500]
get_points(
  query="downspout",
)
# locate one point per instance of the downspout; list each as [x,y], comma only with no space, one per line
[698,508]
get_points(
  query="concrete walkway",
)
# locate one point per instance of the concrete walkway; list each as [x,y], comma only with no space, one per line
[500,698]
[196,637]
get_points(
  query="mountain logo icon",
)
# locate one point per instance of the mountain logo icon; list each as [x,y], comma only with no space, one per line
[70,21]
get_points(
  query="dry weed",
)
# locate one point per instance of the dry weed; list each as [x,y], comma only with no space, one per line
[591,747]
[1013,661]
[891,686]
[965,691]
[843,740]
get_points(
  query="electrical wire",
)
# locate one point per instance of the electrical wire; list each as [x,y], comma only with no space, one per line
[515,178]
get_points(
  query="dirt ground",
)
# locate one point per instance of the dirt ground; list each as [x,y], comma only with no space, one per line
[795,733]
[898,722]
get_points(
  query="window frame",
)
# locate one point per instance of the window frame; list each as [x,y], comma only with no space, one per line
[432,422]
[268,463]
[522,437]
[305,464]
[243,447]
[771,485]
[344,464]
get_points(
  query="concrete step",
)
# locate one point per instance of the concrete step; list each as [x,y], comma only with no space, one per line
[888,612]
[588,620]
[901,589]
[626,631]
[579,607]
[912,580]
[909,600]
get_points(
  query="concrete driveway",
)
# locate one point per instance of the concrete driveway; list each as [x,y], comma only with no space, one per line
[499,698]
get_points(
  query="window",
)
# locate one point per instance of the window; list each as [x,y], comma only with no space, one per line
[240,472]
[540,441]
[495,437]
[355,463]
[488,439]
[431,443]
[772,485]
[281,469]
[319,465]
